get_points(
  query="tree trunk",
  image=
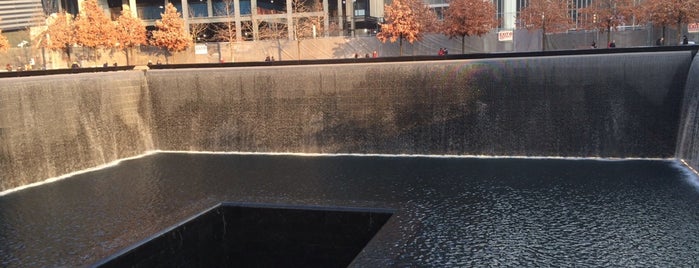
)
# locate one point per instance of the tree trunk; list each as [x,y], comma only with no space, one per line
[664,37]
[463,40]
[609,35]
[400,44]
[543,40]
[679,32]
[126,51]
[67,49]
[543,37]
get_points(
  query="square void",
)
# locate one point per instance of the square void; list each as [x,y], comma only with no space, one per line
[235,235]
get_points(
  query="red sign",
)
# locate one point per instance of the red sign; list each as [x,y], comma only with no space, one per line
[693,28]
[505,35]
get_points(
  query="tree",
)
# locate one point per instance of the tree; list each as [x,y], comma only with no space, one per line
[273,29]
[605,15]
[225,31]
[171,34]
[406,19]
[130,32]
[59,33]
[670,13]
[468,18]
[548,15]
[93,28]
[305,26]
[4,44]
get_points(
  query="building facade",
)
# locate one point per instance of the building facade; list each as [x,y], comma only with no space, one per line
[340,17]
[20,14]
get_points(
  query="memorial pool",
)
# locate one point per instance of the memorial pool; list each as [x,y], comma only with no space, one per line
[449,211]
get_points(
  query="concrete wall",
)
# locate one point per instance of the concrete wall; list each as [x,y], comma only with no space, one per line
[611,105]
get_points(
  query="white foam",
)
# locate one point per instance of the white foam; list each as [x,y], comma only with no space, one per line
[424,156]
[114,163]
[54,179]
[690,174]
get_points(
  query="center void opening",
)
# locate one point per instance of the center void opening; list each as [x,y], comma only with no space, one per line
[244,235]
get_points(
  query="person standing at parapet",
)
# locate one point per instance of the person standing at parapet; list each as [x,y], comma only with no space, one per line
[612,44]
[685,41]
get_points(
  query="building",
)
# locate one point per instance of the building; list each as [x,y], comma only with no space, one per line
[20,14]
[340,17]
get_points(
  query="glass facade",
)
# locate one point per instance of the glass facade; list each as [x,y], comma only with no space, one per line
[150,9]
[198,8]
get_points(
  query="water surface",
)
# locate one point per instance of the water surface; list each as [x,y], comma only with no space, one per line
[449,211]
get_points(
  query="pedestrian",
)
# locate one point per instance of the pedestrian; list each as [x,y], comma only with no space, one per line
[267,58]
[440,52]
[366,55]
[115,64]
[8,67]
[150,63]
[594,45]
[660,41]
[75,65]
[685,41]
[272,59]
[612,44]
[375,54]
[446,51]
[105,65]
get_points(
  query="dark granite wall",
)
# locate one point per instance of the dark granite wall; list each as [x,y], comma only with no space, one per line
[58,124]
[606,105]
[617,105]
[688,140]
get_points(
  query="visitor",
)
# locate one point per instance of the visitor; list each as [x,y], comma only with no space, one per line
[8,67]
[272,58]
[685,41]
[150,63]
[594,45]
[660,41]
[440,52]
[115,64]
[267,58]
[612,44]
[105,65]
[375,54]
[446,51]
[158,63]
[75,65]
[366,55]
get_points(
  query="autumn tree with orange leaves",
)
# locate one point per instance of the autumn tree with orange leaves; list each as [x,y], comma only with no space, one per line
[129,33]
[548,15]
[670,13]
[469,18]
[59,33]
[406,19]
[4,45]
[171,34]
[606,15]
[93,28]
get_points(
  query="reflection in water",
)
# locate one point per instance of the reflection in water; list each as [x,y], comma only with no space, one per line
[450,211]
